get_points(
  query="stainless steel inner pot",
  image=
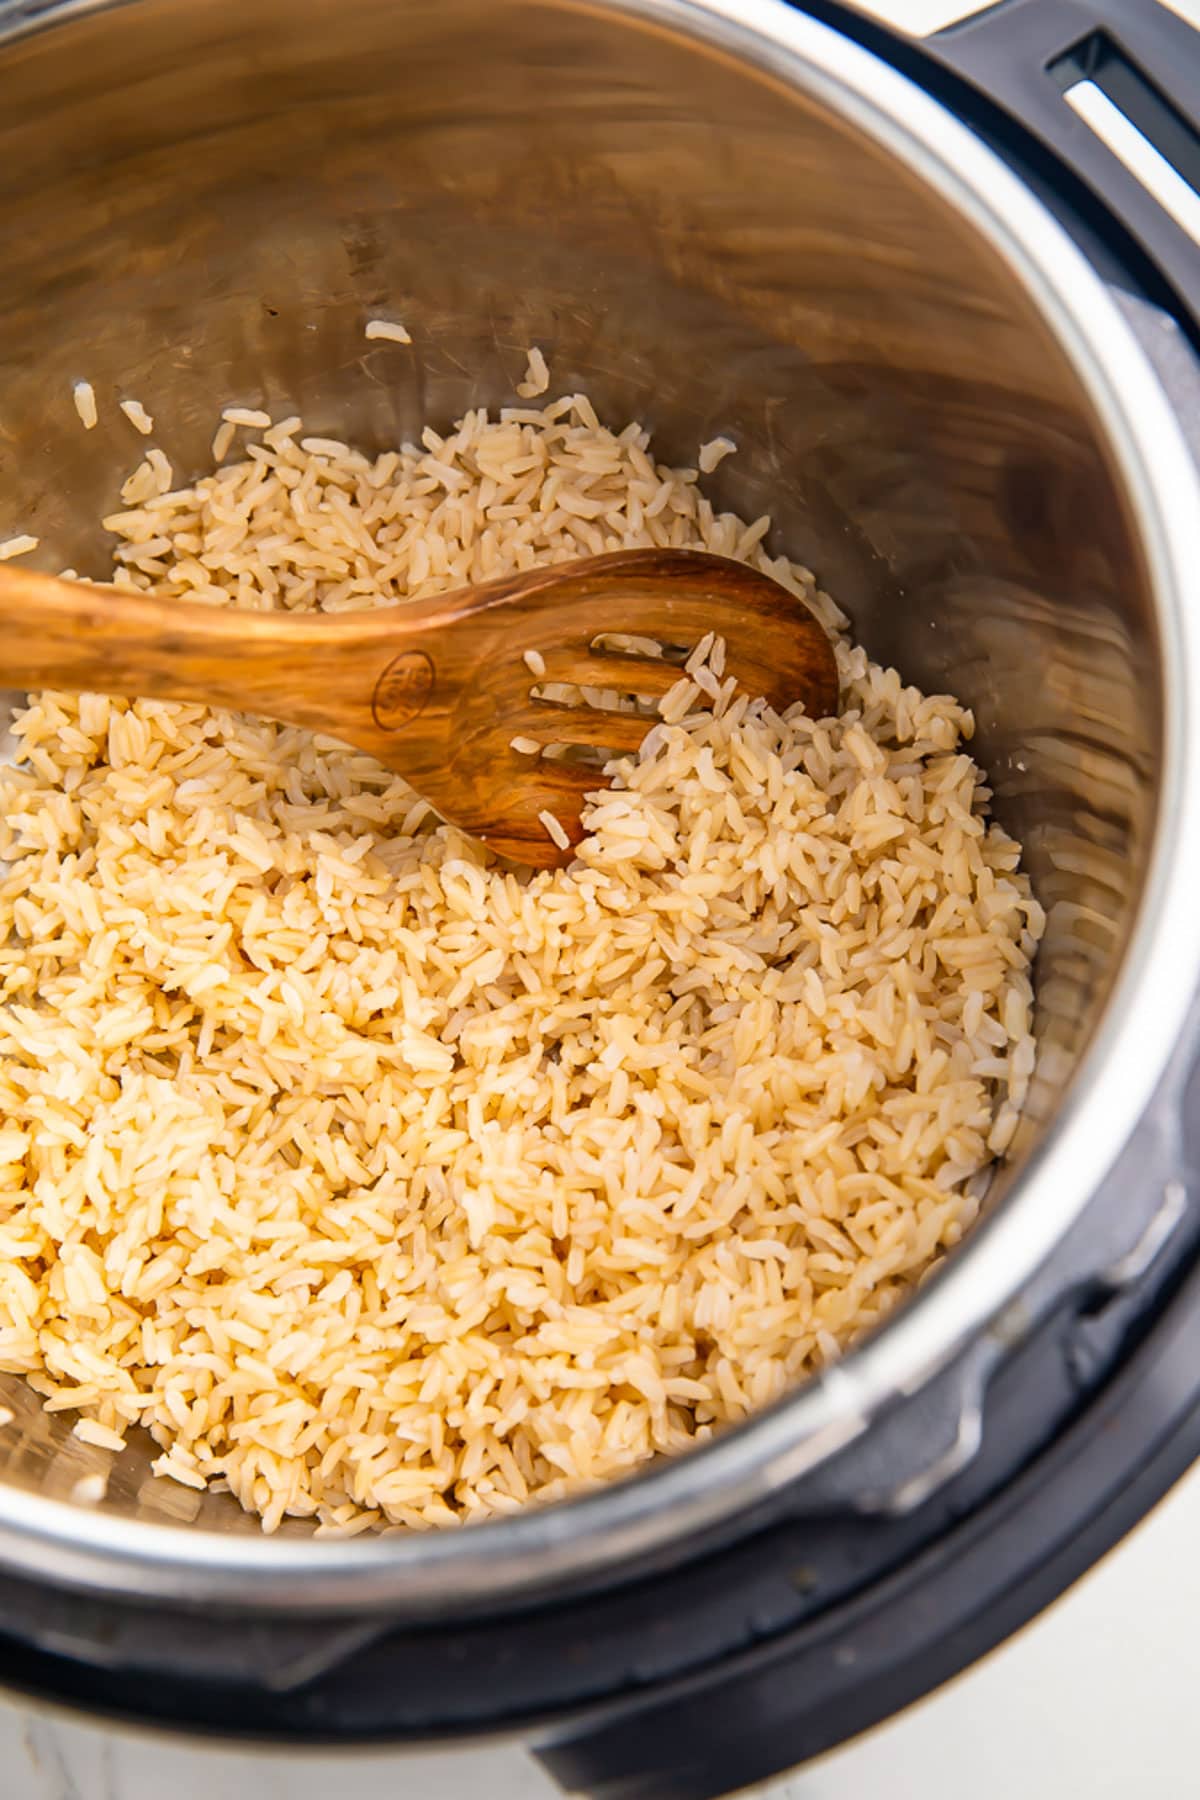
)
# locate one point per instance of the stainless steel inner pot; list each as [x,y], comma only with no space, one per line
[716,217]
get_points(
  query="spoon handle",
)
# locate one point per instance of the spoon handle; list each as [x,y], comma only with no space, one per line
[328,673]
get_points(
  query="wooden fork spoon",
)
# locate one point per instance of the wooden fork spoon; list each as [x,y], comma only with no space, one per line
[438,689]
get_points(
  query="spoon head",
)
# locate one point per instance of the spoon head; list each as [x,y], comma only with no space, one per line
[533,697]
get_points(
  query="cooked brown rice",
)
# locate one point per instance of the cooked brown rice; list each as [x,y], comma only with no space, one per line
[714,452]
[138,417]
[18,546]
[537,376]
[84,396]
[389,331]
[387,1186]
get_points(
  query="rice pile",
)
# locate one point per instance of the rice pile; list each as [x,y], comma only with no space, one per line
[389,1187]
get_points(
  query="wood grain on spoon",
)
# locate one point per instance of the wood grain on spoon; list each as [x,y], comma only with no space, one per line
[437,689]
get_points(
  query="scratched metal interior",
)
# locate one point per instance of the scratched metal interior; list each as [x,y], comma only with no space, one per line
[202,203]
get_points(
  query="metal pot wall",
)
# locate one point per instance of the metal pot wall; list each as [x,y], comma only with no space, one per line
[716,216]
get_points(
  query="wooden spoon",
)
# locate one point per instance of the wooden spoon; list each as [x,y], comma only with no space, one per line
[437,689]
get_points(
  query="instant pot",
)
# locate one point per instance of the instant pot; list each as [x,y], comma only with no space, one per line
[956,339]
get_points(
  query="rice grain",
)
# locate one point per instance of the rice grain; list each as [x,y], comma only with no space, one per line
[387,1186]
[388,330]
[138,417]
[84,396]
[18,546]
[713,452]
[537,376]
[554,830]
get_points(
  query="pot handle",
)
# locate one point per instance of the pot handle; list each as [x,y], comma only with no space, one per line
[1110,89]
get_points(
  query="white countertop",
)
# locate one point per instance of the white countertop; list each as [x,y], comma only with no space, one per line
[1095,1698]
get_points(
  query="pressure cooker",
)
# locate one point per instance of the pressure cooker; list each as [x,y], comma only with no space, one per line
[944,297]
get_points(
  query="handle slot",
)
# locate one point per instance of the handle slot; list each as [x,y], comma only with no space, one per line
[1136,121]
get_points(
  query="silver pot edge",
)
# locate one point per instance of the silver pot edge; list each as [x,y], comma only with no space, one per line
[703,1495]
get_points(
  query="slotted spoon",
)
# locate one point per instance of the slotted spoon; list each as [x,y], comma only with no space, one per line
[438,689]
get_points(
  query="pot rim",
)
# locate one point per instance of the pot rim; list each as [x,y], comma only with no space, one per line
[665,1511]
